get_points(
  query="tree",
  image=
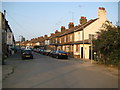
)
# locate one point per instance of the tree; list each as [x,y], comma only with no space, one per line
[107,45]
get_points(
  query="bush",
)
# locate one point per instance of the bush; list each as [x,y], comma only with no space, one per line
[108,45]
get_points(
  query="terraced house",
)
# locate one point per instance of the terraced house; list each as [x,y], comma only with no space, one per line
[76,40]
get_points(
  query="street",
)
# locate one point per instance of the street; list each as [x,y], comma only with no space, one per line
[47,72]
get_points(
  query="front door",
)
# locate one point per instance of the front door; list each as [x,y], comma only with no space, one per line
[81,52]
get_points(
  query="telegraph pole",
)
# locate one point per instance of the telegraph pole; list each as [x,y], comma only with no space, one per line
[91,50]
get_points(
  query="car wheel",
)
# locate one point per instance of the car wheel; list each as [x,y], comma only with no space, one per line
[66,57]
[57,57]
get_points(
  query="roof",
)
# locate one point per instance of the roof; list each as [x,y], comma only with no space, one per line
[78,28]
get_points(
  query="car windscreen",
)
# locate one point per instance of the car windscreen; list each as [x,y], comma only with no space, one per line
[61,52]
[28,51]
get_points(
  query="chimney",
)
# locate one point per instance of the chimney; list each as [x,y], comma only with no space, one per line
[56,31]
[101,13]
[83,20]
[4,13]
[45,36]
[62,28]
[52,34]
[70,25]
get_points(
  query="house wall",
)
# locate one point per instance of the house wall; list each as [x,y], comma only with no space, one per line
[93,28]
[78,36]
[86,50]
[0,38]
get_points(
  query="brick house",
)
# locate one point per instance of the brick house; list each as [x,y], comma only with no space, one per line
[76,40]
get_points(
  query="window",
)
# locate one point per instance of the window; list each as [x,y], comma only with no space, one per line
[77,48]
[56,40]
[65,39]
[91,36]
[78,35]
[71,37]
[60,40]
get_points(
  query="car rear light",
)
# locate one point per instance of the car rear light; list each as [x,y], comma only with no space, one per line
[59,53]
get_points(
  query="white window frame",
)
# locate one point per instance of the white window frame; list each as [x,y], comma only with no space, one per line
[60,40]
[65,39]
[71,37]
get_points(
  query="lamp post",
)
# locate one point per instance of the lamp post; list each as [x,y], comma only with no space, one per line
[83,44]
[91,37]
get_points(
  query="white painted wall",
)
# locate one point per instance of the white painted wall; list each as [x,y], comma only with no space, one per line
[76,53]
[86,49]
[9,38]
[93,28]
[37,43]
[78,36]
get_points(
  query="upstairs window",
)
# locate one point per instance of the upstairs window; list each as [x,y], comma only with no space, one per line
[71,37]
[65,39]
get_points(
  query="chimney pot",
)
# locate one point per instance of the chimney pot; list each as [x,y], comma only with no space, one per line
[62,28]
[83,20]
[45,36]
[52,34]
[70,25]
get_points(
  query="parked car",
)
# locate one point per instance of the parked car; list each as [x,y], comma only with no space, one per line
[34,49]
[27,53]
[22,49]
[60,54]
[41,51]
[51,53]
[46,52]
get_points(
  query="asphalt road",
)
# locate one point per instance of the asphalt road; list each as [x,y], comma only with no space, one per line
[47,72]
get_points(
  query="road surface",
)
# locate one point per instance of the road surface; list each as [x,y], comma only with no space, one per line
[47,72]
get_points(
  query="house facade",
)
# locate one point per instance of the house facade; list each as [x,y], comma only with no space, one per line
[7,37]
[76,40]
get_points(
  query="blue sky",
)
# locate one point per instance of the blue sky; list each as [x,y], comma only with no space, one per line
[34,19]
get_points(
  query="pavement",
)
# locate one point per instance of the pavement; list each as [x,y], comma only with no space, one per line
[7,70]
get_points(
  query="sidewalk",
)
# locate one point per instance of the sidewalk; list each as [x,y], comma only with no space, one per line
[108,69]
[8,68]
[6,71]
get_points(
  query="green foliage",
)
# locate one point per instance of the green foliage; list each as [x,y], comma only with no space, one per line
[108,45]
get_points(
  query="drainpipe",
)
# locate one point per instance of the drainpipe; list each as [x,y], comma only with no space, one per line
[83,44]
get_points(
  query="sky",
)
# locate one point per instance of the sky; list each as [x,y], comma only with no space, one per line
[35,19]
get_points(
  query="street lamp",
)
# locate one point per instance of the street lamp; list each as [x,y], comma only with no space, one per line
[91,38]
[83,44]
